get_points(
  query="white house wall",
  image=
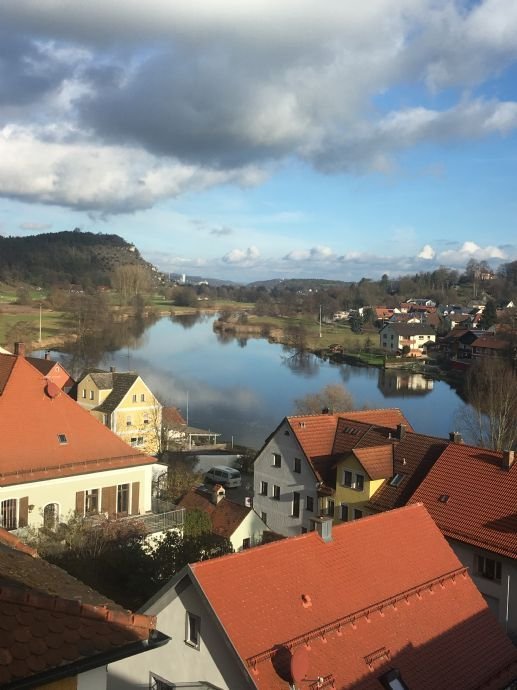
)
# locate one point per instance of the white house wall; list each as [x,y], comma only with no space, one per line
[178,662]
[501,597]
[279,513]
[93,680]
[251,528]
[63,490]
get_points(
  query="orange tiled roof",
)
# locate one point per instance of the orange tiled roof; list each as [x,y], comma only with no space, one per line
[376,460]
[389,417]
[413,456]
[386,592]
[226,516]
[481,508]
[29,401]
[50,621]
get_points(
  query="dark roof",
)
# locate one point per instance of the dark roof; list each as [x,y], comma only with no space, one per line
[51,625]
[121,384]
[410,329]
[413,457]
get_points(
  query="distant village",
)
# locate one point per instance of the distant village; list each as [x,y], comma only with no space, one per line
[363,554]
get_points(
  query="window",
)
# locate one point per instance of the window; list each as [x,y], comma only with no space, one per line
[142,397]
[84,392]
[8,514]
[92,501]
[91,395]
[263,488]
[309,503]
[393,681]
[192,625]
[128,421]
[297,465]
[330,507]
[246,543]
[263,517]
[359,482]
[62,438]
[357,514]
[50,515]
[146,419]
[276,492]
[347,478]
[343,512]
[123,498]
[296,504]
[134,397]
[277,460]
[488,568]
[397,479]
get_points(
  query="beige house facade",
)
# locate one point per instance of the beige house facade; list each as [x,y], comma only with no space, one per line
[126,405]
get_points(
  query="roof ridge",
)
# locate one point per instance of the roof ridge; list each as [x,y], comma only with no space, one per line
[74,607]
[365,612]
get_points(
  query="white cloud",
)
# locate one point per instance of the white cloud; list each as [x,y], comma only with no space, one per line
[319,253]
[182,96]
[242,257]
[427,253]
[471,250]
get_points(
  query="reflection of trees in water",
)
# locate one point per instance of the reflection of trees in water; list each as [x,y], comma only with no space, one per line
[242,342]
[225,337]
[304,363]
[106,335]
[188,320]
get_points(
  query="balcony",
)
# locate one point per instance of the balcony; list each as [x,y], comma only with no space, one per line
[163,516]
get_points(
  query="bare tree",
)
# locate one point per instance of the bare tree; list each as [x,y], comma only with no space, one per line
[333,397]
[130,281]
[490,419]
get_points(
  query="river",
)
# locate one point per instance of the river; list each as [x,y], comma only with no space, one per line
[242,389]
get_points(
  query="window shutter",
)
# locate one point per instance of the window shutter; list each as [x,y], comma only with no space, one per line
[135,498]
[23,512]
[79,502]
[109,500]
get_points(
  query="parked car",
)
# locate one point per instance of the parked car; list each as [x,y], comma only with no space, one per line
[226,476]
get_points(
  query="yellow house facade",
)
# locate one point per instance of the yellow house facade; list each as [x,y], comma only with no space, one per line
[125,404]
[359,474]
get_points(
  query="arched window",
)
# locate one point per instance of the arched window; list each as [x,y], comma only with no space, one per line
[51,515]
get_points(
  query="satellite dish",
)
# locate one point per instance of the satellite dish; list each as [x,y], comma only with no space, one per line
[52,389]
[299,664]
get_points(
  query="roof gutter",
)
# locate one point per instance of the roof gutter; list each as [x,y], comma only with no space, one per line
[156,639]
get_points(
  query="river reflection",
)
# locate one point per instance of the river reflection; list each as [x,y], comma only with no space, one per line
[244,388]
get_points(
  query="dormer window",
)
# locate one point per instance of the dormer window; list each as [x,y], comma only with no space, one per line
[62,439]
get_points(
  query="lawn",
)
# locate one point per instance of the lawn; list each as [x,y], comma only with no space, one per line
[52,324]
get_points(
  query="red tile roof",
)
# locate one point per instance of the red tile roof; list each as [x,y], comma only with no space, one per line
[50,621]
[226,516]
[389,417]
[28,401]
[482,498]
[376,460]
[414,455]
[386,592]
[173,417]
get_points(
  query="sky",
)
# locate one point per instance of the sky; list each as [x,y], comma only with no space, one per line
[265,139]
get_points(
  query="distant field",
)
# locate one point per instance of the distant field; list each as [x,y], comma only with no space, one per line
[52,324]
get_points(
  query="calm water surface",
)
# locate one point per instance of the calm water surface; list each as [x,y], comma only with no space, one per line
[244,389]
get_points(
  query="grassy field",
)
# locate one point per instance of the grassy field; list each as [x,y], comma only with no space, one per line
[52,325]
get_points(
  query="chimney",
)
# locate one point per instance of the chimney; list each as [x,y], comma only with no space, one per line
[218,493]
[508,459]
[455,437]
[325,410]
[112,370]
[46,355]
[401,431]
[323,526]
[19,349]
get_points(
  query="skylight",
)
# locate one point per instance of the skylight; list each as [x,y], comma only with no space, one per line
[397,479]
[443,498]
[62,438]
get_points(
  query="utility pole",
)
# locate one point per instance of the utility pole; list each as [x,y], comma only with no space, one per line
[320,320]
[187,408]
[40,323]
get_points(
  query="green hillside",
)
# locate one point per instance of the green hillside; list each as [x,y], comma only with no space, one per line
[65,258]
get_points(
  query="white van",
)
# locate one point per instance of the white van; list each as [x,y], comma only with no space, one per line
[225,476]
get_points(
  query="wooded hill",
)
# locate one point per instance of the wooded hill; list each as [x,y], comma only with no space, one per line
[65,258]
